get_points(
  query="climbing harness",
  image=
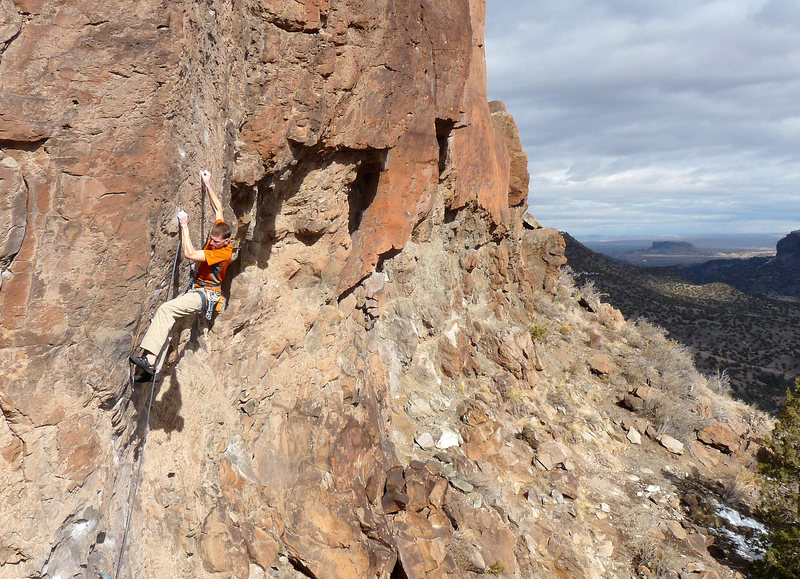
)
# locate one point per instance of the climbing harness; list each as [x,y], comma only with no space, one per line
[213,301]
[210,294]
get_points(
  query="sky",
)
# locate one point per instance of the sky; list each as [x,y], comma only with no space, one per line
[653,117]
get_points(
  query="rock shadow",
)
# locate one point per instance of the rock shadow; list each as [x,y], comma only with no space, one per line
[258,206]
[165,410]
[165,414]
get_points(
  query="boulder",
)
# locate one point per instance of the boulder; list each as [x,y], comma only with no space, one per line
[605,549]
[720,437]
[673,445]
[566,483]
[601,364]
[697,543]
[519,178]
[702,454]
[425,441]
[677,530]
[448,439]
[632,402]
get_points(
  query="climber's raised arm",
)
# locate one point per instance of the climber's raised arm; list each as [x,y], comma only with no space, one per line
[216,205]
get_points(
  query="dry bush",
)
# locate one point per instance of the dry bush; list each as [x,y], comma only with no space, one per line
[460,547]
[565,289]
[591,295]
[642,331]
[496,568]
[675,363]
[724,409]
[740,490]
[606,314]
[720,382]
[537,332]
[757,420]
[671,359]
[595,338]
[648,552]
[566,281]
[563,402]
[549,307]
[674,416]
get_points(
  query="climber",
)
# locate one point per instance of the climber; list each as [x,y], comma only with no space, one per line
[206,293]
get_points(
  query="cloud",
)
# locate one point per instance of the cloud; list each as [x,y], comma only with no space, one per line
[629,104]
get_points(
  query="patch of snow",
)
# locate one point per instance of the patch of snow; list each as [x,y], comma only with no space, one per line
[747,547]
[735,518]
[751,552]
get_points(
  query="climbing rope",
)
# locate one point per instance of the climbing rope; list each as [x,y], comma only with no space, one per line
[135,488]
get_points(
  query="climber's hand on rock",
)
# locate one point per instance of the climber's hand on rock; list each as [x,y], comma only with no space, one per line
[205,176]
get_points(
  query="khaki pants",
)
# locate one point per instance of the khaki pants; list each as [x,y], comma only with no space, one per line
[166,315]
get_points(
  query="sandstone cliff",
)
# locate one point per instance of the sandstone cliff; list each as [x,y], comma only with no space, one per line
[403,384]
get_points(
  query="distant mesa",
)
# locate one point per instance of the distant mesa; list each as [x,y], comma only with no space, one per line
[663,254]
[671,248]
[687,252]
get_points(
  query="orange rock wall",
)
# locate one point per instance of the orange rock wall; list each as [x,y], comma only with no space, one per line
[336,132]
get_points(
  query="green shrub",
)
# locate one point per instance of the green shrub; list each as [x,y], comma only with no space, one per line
[780,490]
[537,332]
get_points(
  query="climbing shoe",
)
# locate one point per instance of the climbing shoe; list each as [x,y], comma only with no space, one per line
[142,362]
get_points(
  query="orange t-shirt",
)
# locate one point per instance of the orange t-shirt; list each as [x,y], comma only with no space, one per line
[212,271]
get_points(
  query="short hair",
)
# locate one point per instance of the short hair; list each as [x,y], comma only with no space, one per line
[221,230]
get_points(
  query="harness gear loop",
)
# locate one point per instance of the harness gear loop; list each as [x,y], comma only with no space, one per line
[212,301]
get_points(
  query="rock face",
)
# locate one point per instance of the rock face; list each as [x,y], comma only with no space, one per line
[788,248]
[378,400]
[520,178]
[335,131]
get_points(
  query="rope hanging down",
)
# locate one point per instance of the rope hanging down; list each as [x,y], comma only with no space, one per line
[135,488]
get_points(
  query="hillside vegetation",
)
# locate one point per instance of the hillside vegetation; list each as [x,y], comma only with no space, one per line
[753,340]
